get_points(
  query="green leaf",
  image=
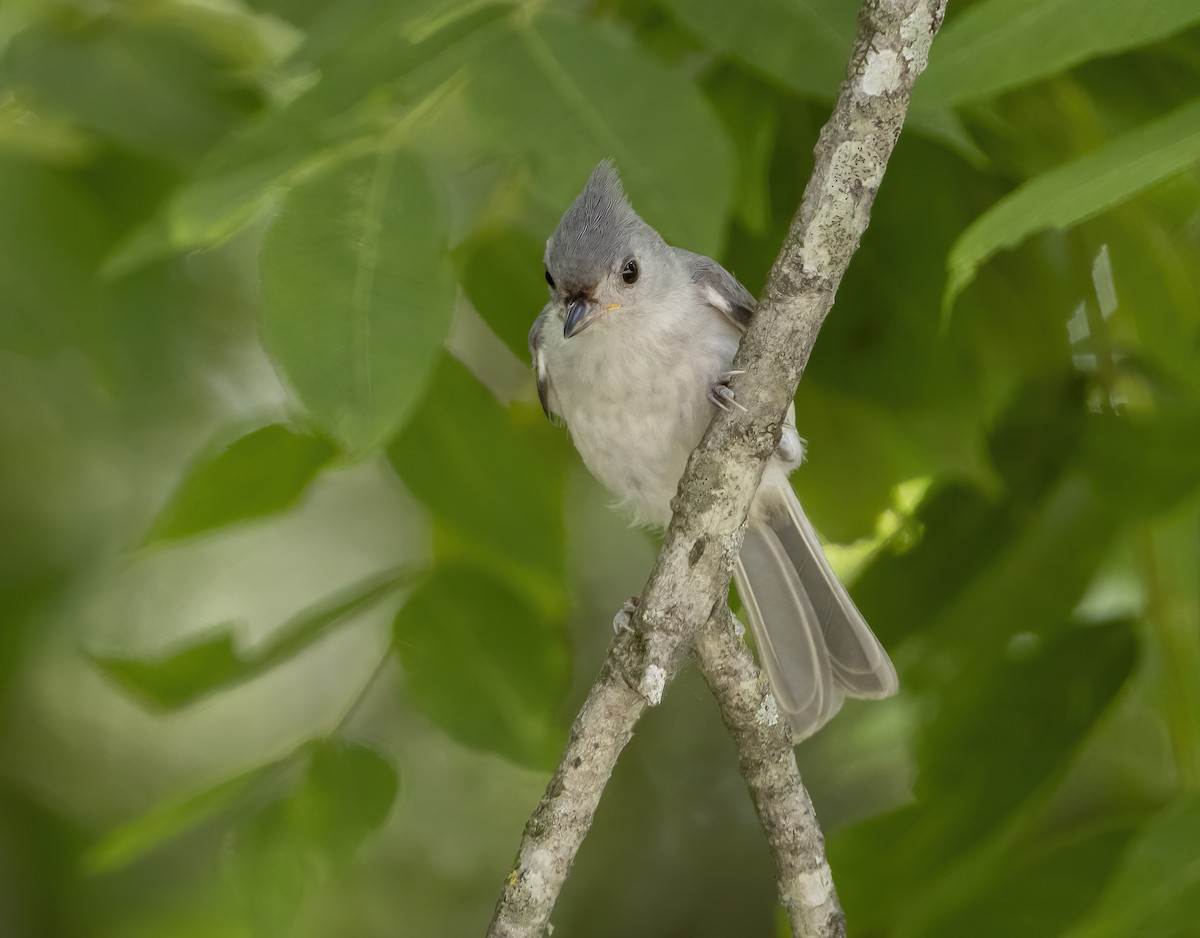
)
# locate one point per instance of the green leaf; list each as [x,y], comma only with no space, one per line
[804,45]
[558,95]
[51,237]
[507,509]
[300,12]
[484,664]
[212,662]
[1144,465]
[942,125]
[750,113]
[1151,255]
[1078,190]
[977,574]
[1004,729]
[357,292]
[1170,556]
[501,273]
[1057,882]
[276,858]
[858,453]
[268,874]
[149,86]
[998,45]
[259,474]
[1157,889]
[345,795]
[176,679]
[1011,749]
[122,846]
[40,138]
[354,97]
[241,37]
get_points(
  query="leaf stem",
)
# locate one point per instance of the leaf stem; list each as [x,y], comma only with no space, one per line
[363,693]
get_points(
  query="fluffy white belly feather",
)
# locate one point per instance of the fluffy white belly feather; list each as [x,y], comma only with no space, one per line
[634,408]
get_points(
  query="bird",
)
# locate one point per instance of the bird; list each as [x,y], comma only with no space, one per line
[632,352]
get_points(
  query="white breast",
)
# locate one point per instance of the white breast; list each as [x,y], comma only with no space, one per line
[633,389]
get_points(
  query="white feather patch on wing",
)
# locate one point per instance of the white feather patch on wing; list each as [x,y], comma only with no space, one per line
[714,298]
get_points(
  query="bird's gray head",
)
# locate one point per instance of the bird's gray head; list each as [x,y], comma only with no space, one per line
[603,259]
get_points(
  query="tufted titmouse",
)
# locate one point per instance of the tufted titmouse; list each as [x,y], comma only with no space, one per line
[632,351]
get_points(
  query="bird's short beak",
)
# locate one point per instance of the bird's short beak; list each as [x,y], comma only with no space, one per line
[581,313]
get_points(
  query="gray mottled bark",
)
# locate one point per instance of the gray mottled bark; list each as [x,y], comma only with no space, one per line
[691,575]
[768,764]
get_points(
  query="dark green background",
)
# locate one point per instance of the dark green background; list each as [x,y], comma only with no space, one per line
[299,590]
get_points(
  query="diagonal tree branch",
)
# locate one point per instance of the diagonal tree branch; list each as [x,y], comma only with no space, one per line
[691,575]
[768,764]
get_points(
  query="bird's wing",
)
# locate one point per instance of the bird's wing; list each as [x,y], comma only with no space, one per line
[720,289]
[541,372]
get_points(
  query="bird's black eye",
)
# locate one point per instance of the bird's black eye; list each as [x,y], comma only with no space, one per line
[549,280]
[629,273]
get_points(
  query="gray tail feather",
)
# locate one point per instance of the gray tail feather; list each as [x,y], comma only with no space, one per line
[812,640]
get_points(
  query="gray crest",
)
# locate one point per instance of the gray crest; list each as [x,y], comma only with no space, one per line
[596,233]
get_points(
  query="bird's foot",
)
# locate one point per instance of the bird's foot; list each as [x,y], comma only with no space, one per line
[721,394]
[621,619]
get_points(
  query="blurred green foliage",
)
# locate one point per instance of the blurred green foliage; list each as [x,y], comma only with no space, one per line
[299,590]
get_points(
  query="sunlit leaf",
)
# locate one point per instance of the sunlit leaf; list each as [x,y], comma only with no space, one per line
[977,574]
[1078,190]
[213,661]
[550,79]
[357,292]
[259,474]
[857,453]
[997,45]
[484,664]
[1157,889]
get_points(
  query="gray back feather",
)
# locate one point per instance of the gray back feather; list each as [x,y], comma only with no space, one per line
[719,288]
